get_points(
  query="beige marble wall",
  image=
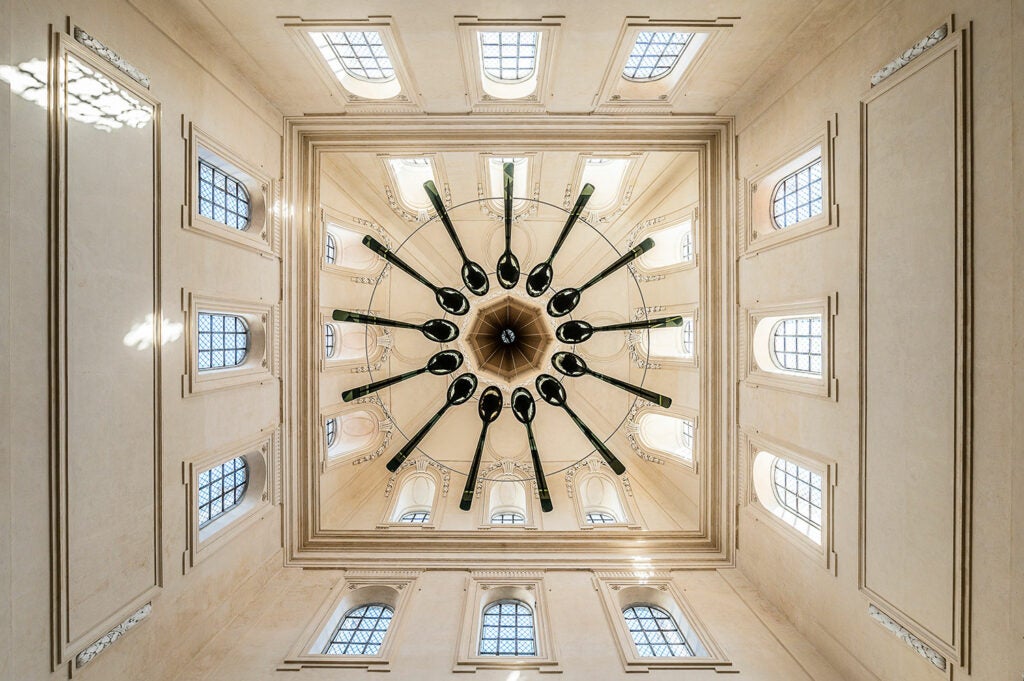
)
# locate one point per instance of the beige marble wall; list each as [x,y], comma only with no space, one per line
[196,86]
[827,73]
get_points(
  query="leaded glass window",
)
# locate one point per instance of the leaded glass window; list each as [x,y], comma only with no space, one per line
[508,519]
[329,340]
[415,517]
[331,249]
[686,337]
[222,197]
[599,518]
[507,629]
[360,54]
[362,631]
[798,490]
[222,340]
[509,56]
[654,54]
[796,344]
[655,633]
[797,197]
[221,488]
[332,431]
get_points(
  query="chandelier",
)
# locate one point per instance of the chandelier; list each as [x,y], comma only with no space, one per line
[507,338]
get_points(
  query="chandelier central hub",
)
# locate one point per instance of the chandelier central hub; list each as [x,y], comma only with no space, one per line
[509,338]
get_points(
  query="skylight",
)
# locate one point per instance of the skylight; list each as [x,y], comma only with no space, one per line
[655,54]
[410,174]
[360,54]
[606,174]
[509,56]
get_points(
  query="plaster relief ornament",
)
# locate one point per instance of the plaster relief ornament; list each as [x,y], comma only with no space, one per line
[506,340]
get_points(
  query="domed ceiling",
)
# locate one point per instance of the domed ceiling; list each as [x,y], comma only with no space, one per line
[507,337]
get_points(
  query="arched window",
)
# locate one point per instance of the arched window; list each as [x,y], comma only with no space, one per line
[655,633]
[669,434]
[607,175]
[331,428]
[410,174]
[509,56]
[417,491]
[352,342]
[361,631]
[360,54]
[797,197]
[654,55]
[222,340]
[790,490]
[329,340]
[496,177]
[796,344]
[221,488]
[599,497]
[222,197]
[343,247]
[599,518]
[352,431]
[331,249]
[672,343]
[798,490]
[415,517]
[507,629]
[508,519]
[672,246]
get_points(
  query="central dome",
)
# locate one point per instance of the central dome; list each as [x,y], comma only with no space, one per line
[509,338]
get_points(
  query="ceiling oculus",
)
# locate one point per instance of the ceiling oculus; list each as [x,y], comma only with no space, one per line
[508,338]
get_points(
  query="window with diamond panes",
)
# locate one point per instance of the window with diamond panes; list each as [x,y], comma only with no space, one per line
[508,56]
[798,490]
[507,630]
[222,198]
[329,340]
[796,344]
[797,197]
[655,633]
[332,431]
[362,631]
[331,249]
[360,54]
[221,488]
[655,54]
[508,519]
[415,517]
[596,518]
[222,340]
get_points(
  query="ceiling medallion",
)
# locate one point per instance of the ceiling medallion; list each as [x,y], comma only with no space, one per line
[507,338]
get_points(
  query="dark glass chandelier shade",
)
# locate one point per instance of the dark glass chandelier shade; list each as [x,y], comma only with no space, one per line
[501,331]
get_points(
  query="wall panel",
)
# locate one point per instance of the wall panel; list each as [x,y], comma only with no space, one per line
[915,383]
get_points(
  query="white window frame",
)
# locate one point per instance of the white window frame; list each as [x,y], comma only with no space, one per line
[752,348]
[356,588]
[751,443]
[366,453]
[624,192]
[574,487]
[621,95]
[261,455]
[656,454]
[380,354]
[412,468]
[637,340]
[690,214]
[329,216]
[263,234]
[484,588]
[529,511]
[262,359]
[618,592]
[393,192]
[757,224]
[406,99]
[528,186]
[477,94]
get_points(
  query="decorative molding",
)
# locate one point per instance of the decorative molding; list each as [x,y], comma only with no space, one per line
[118,62]
[909,55]
[420,463]
[86,656]
[919,646]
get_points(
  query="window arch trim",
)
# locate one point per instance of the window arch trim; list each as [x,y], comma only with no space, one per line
[331,455]
[334,225]
[403,498]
